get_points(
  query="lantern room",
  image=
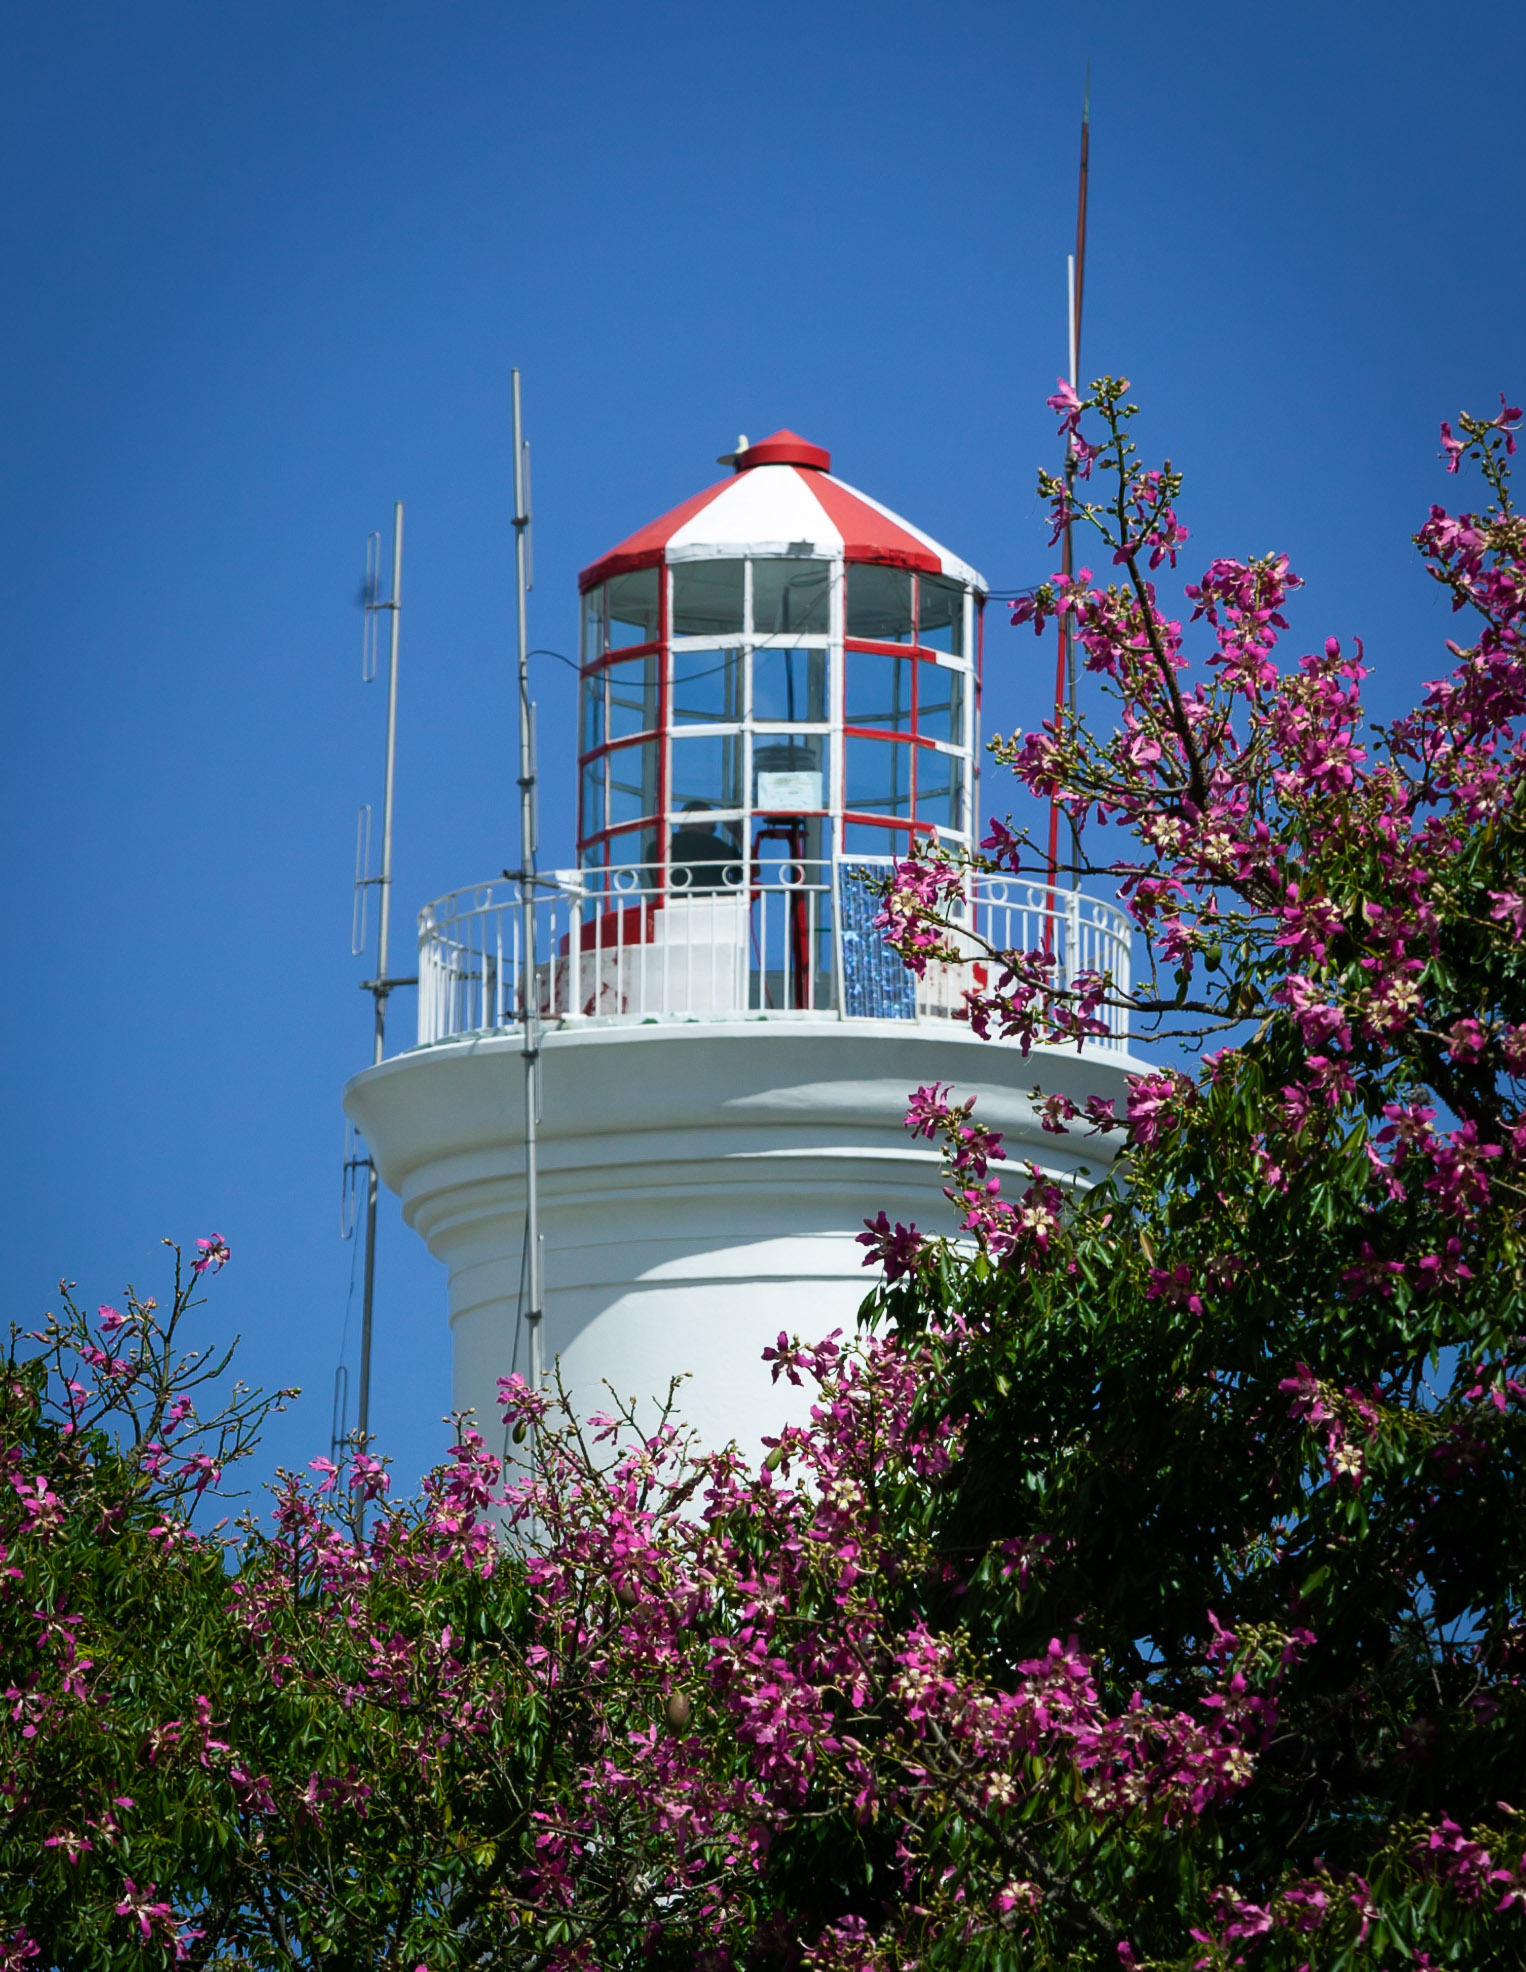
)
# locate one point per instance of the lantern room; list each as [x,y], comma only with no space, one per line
[780,670]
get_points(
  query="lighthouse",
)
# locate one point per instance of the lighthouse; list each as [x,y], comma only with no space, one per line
[779,690]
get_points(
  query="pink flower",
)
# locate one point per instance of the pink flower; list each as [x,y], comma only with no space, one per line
[253,1791]
[73,1846]
[140,1906]
[1319,1019]
[212,1252]
[1466,1040]
[1067,405]
[1055,1111]
[1174,1287]
[116,1369]
[1307,1396]
[1509,909]
[43,1508]
[1243,1920]
[1371,1275]
[1443,1269]
[370,1475]
[928,1109]
[893,1248]
[1155,1103]
[519,1404]
[782,1356]
[1036,608]
[1459,1181]
[203,1470]
[1223,1642]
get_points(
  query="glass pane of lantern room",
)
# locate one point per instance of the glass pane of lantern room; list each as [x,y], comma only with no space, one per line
[707,770]
[940,704]
[879,603]
[627,851]
[878,776]
[632,782]
[707,598]
[593,796]
[633,607]
[592,725]
[707,687]
[789,684]
[703,853]
[632,697]
[791,598]
[877,691]
[593,624]
[870,839]
[940,614]
[940,789]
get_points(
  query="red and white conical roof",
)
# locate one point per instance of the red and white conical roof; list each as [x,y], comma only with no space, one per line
[781,500]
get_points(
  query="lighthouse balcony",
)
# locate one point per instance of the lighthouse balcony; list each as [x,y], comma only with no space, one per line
[781,940]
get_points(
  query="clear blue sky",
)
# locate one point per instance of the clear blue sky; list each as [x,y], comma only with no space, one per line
[268,267]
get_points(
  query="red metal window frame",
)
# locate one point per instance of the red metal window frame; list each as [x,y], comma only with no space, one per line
[889,823]
[664,706]
[920,654]
[919,743]
[660,647]
[611,835]
[644,738]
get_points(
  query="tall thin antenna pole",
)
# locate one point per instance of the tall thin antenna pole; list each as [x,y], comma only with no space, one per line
[1065,654]
[380,987]
[396,607]
[528,984]
[1078,296]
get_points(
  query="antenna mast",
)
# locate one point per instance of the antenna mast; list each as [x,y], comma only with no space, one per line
[528,984]
[382,984]
[1065,655]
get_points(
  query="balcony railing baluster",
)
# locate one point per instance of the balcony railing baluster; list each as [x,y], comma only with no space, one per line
[791,940]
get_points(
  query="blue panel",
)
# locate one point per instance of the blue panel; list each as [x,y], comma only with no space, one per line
[875,985]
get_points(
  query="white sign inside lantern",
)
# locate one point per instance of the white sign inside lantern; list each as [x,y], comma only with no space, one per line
[795,791]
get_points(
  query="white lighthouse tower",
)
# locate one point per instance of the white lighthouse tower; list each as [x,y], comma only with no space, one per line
[780,689]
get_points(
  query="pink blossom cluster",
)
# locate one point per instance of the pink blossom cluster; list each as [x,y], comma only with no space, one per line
[1465,1863]
[760,1623]
[1267,819]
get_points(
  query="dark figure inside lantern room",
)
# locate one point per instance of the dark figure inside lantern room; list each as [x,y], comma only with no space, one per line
[702,857]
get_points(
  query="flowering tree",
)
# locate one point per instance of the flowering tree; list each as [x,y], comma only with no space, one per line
[695,1714]
[1146,1586]
[1275,1373]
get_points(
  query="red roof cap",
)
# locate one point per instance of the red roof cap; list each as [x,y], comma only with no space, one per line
[785,448]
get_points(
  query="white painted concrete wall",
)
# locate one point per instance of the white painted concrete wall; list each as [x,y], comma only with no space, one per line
[702,1184]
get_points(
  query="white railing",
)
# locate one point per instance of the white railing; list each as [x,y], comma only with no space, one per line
[785,938]
[1085,934]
